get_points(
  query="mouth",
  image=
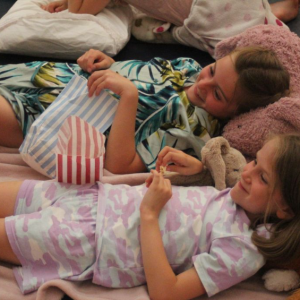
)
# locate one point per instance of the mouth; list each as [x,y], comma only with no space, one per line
[197,94]
[242,187]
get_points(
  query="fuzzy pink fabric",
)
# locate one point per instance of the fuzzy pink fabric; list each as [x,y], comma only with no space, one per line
[248,131]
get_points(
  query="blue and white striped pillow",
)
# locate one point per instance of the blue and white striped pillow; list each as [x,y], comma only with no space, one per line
[37,150]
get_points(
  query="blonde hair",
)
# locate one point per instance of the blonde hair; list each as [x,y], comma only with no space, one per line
[284,243]
[262,79]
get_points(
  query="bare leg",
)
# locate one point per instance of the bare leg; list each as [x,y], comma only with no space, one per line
[6,252]
[286,10]
[10,131]
[8,195]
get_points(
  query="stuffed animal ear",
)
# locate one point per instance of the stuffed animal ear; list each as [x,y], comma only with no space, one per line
[212,157]
[151,30]
[162,28]
[224,145]
[217,144]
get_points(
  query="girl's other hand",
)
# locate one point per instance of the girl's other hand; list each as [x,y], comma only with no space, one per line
[55,6]
[158,194]
[94,60]
[182,163]
[111,80]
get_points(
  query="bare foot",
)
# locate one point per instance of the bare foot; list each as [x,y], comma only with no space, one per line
[286,10]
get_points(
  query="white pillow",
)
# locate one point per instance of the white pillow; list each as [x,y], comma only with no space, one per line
[28,29]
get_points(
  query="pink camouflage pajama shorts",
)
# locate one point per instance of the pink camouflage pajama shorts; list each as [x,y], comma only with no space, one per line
[61,239]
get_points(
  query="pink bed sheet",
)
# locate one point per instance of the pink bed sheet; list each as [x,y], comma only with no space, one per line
[13,168]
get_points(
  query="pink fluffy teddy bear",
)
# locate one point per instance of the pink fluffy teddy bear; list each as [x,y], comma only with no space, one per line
[248,131]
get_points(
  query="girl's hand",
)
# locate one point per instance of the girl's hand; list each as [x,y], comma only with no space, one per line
[184,164]
[55,6]
[111,80]
[94,60]
[158,194]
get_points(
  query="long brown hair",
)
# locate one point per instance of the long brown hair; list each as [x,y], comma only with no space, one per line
[284,243]
[262,78]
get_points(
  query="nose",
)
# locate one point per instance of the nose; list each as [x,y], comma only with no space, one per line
[204,85]
[205,82]
[247,171]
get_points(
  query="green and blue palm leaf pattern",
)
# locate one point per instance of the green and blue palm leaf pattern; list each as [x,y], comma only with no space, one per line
[164,115]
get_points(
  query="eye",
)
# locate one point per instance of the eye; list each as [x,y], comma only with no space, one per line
[217,95]
[212,71]
[263,179]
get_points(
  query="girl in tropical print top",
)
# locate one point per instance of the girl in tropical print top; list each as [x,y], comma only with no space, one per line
[162,103]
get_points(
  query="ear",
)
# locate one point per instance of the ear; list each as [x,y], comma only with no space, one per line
[219,144]
[214,160]
[162,28]
[284,213]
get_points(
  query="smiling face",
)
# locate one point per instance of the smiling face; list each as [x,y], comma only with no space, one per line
[255,189]
[215,87]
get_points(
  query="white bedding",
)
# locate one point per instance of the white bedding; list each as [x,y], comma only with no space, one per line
[29,30]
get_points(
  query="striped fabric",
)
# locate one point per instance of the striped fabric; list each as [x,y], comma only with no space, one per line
[79,152]
[38,148]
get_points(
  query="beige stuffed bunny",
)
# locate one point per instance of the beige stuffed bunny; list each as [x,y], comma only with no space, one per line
[223,166]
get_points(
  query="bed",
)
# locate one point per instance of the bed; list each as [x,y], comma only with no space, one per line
[13,168]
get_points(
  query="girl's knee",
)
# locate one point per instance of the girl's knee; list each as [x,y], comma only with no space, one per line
[10,130]
[8,196]
[6,252]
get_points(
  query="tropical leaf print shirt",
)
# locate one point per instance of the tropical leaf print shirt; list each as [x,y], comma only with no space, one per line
[165,117]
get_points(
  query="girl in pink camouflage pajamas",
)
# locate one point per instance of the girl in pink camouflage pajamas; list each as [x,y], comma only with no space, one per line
[182,241]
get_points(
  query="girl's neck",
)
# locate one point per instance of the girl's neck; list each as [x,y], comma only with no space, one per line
[252,217]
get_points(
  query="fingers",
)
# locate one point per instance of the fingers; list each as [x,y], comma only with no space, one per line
[56,6]
[178,161]
[86,61]
[157,179]
[94,60]
[59,8]
[95,83]
[149,180]
[45,7]
[178,169]
[104,64]
[107,79]
[161,158]
[98,81]
[49,7]
[158,194]
[90,63]
[170,155]
[153,178]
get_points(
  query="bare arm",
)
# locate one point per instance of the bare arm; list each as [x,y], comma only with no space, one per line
[161,280]
[121,156]
[92,7]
